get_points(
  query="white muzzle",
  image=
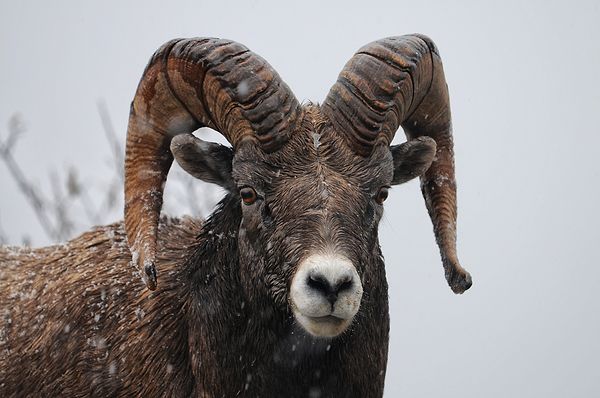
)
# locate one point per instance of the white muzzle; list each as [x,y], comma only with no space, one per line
[325,294]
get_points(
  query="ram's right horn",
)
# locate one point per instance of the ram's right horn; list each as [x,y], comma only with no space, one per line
[190,84]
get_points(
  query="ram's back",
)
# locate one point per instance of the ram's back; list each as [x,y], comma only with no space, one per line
[76,319]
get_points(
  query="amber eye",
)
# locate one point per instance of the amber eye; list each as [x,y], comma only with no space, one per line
[382,195]
[248,195]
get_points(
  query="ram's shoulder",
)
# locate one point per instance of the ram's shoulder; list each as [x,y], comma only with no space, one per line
[101,252]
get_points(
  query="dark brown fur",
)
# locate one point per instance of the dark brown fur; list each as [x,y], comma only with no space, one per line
[76,323]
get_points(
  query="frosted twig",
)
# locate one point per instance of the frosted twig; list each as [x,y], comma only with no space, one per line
[37,202]
[64,225]
[3,238]
[113,141]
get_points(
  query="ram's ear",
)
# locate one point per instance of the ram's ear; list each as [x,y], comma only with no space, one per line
[412,158]
[204,160]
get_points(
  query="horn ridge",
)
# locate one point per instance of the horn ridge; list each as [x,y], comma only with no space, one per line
[187,84]
[399,81]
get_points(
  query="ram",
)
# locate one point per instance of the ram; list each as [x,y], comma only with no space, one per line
[282,290]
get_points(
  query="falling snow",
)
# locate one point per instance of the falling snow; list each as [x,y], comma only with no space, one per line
[316,140]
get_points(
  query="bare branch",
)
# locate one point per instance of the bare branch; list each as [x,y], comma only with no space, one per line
[113,141]
[37,202]
[58,214]
[64,225]
[15,128]
[3,237]
[77,190]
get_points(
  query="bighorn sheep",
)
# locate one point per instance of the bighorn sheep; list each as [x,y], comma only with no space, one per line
[282,290]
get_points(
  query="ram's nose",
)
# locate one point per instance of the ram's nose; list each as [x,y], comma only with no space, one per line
[325,293]
[330,286]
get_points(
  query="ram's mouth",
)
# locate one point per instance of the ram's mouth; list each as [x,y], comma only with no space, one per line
[326,319]
[327,326]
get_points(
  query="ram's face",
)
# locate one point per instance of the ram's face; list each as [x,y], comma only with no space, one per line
[310,212]
[309,180]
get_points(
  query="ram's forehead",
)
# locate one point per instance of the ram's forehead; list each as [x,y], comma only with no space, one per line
[314,148]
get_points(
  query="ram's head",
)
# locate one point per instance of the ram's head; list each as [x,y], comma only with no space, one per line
[311,180]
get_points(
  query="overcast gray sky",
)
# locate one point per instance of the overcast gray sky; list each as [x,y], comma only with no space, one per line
[525,99]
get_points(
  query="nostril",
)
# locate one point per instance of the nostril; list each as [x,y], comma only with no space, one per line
[344,285]
[319,283]
[322,285]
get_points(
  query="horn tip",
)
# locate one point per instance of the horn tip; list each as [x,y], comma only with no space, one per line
[149,276]
[458,278]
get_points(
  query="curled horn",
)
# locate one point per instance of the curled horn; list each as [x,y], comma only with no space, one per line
[192,83]
[399,81]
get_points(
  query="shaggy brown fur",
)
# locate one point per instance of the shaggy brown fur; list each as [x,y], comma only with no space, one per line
[76,323]
[76,320]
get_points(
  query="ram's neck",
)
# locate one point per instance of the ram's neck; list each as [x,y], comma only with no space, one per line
[213,261]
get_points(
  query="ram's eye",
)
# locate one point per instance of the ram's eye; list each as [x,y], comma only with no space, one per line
[248,195]
[382,195]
